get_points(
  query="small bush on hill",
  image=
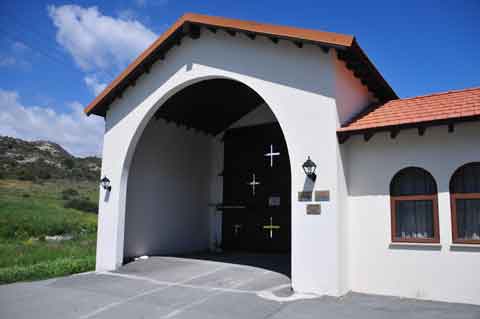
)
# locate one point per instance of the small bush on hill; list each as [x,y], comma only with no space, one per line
[69,193]
[69,163]
[26,176]
[82,204]
[44,174]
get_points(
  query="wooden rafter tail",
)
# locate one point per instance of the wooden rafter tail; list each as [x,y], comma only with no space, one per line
[394,133]
[325,49]
[212,29]
[421,130]
[343,137]
[251,35]
[367,136]
[273,39]
[231,32]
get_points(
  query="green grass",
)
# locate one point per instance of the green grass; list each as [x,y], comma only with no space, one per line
[31,211]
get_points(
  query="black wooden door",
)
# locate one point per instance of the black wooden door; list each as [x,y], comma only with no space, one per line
[256,184]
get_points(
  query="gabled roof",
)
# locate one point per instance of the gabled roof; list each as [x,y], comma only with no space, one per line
[190,24]
[417,112]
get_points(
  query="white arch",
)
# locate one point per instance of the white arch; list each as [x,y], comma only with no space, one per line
[132,145]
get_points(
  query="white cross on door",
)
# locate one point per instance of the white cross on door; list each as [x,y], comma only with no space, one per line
[253,183]
[271,155]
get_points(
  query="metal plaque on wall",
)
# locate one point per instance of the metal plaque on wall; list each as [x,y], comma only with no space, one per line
[322,196]
[304,196]
[314,209]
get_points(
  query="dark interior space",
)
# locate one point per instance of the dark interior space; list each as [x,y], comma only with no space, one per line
[210,106]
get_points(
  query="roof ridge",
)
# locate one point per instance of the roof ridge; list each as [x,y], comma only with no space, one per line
[192,16]
[436,94]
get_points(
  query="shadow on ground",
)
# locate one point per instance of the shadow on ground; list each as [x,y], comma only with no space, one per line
[280,263]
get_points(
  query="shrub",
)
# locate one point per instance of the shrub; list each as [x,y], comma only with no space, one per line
[26,176]
[44,174]
[69,193]
[47,269]
[69,163]
[82,204]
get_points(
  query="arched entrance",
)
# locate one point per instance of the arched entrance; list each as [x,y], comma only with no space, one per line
[211,171]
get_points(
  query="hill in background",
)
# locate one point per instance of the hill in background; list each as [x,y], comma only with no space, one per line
[43,160]
[48,206]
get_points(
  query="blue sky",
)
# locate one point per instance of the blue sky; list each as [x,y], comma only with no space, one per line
[55,55]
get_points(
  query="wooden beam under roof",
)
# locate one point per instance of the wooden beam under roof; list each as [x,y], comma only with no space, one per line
[343,136]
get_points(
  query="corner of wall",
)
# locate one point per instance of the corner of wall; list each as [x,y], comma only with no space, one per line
[351,95]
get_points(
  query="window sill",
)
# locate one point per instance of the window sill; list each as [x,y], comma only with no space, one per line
[415,246]
[465,247]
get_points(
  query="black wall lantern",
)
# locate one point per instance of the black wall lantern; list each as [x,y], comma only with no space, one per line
[105,182]
[309,168]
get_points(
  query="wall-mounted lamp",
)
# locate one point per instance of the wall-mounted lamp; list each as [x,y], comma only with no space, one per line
[309,168]
[105,182]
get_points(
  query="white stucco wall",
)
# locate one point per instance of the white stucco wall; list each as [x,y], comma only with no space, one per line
[302,97]
[446,272]
[351,95]
[168,191]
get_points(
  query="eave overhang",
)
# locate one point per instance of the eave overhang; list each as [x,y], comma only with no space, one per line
[190,24]
[421,126]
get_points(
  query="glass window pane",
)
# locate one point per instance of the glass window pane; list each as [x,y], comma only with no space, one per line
[468,219]
[466,179]
[414,219]
[413,181]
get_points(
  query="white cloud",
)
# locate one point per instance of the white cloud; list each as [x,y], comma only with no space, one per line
[78,134]
[15,56]
[96,41]
[7,61]
[94,84]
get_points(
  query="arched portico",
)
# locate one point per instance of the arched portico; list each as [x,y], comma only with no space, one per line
[182,180]
[303,104]
[135,137]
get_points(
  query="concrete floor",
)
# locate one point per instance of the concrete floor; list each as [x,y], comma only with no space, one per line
[203,286]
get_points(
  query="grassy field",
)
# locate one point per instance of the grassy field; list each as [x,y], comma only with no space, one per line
[31,211]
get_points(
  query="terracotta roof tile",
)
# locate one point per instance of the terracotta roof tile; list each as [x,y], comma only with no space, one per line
[427,108]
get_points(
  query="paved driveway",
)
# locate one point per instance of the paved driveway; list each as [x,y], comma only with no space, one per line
[232,286]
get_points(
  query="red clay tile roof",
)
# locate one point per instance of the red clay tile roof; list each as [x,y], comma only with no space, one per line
[438,107]
[347,46]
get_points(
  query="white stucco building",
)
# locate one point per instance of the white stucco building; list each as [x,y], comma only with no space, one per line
[206,134]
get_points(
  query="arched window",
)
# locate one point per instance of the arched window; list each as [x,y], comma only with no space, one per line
[465,201]
[414,209]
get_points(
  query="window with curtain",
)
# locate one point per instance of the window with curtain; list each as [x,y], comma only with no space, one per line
[414,210]
[465,201]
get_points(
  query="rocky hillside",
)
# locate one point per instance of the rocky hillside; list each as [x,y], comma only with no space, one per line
[25,160]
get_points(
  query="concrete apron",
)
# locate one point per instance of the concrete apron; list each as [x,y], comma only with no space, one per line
[203,287]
